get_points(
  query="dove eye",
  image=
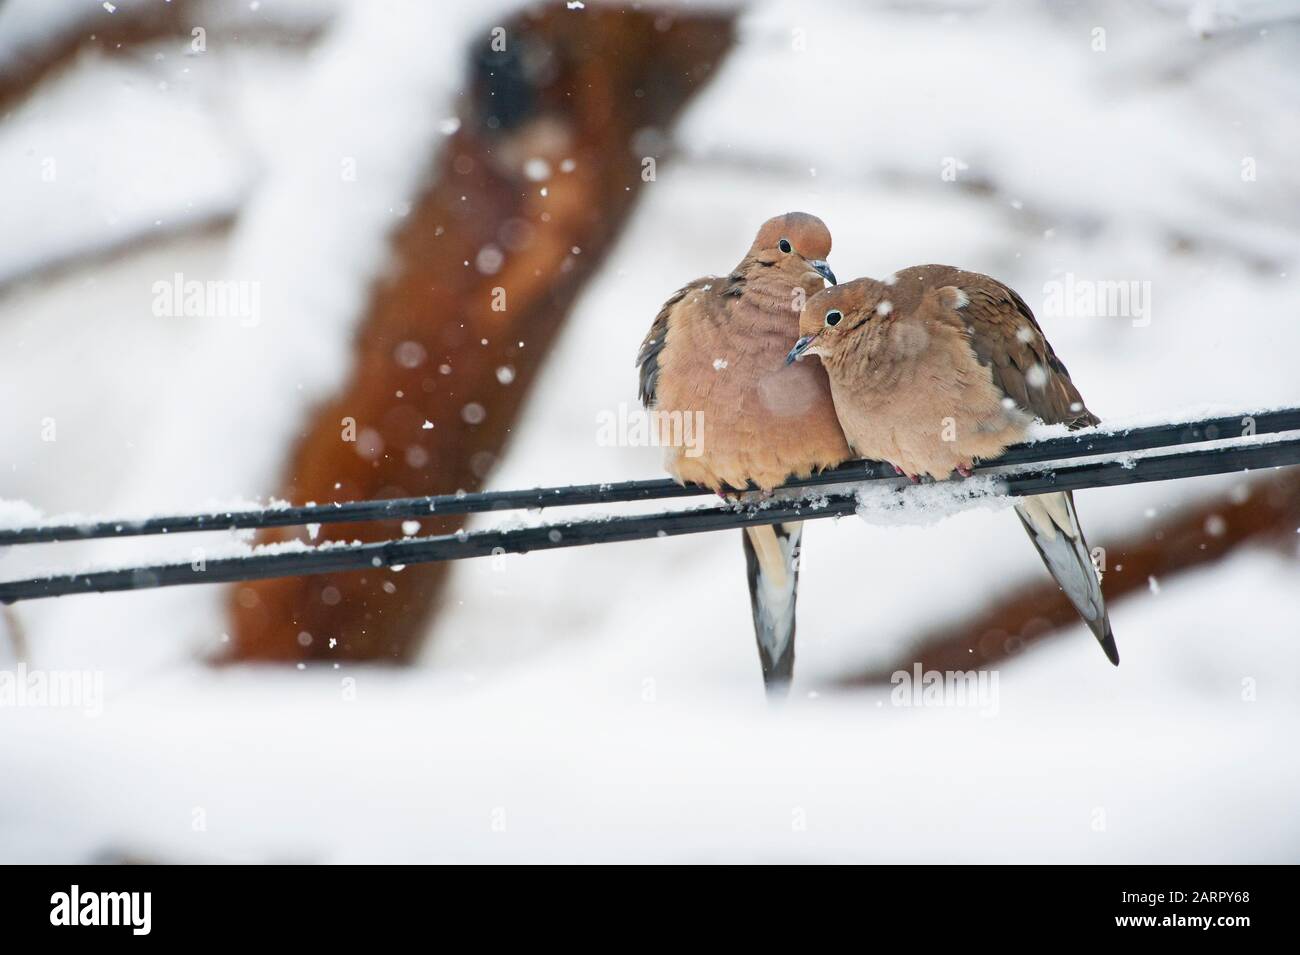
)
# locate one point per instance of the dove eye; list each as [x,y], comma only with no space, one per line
[785,246]
[833,317]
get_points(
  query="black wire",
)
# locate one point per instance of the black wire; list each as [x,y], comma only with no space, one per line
[354,557]
[1080,444]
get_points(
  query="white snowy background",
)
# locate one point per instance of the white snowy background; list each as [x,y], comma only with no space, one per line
[603,704]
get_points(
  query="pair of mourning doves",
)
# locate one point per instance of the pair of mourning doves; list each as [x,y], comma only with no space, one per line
[717,349]
[936,368]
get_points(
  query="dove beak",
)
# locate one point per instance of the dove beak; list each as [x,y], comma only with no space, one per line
[821,268]
[799,348]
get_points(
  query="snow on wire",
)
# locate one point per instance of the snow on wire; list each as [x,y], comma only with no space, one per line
[1233,436]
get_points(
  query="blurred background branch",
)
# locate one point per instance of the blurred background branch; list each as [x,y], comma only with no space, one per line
[43,48]
[485,271]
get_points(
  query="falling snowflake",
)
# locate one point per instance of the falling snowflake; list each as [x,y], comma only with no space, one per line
[489,260]
[409,354]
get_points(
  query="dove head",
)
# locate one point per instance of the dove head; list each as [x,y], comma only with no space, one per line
[796,244]
[833,316]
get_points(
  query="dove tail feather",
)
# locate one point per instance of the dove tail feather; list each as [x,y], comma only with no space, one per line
[772,565]
[1053,525]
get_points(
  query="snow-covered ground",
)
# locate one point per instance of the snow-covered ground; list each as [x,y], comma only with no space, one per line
[619,749]
[603,703]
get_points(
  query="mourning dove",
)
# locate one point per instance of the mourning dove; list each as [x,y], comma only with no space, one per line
[716,354]
[935,368]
